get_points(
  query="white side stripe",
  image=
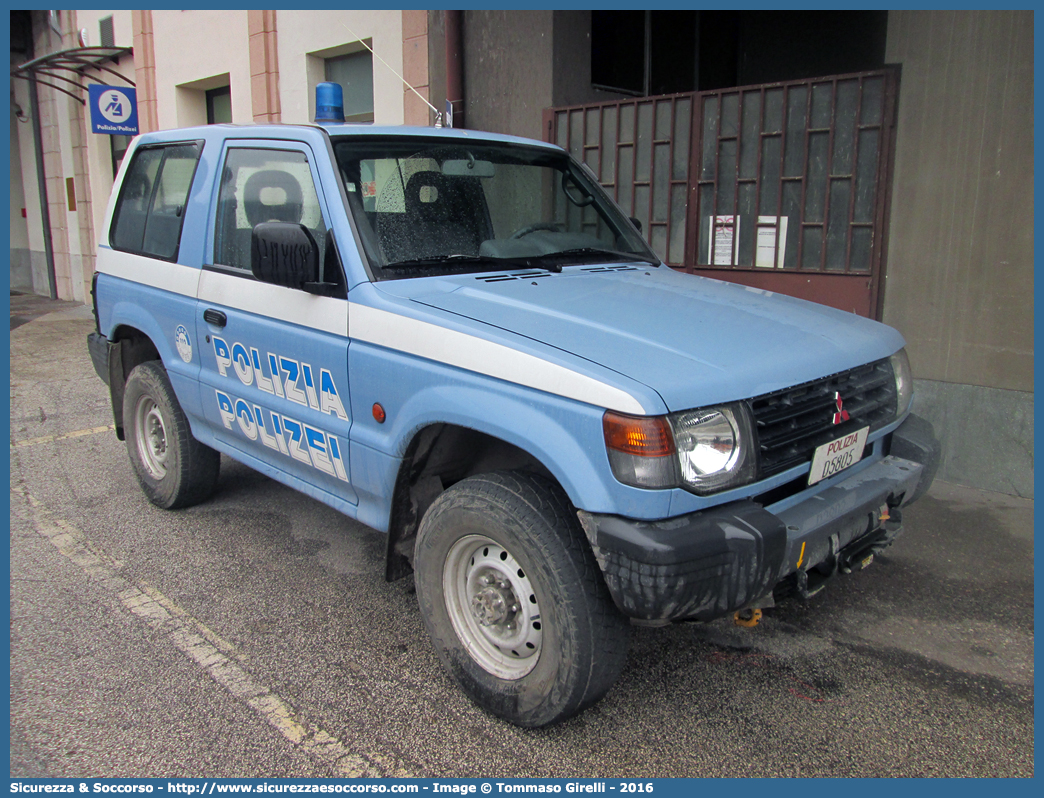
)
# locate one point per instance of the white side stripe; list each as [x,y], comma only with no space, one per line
[476,354]
[276,302]
[379,327]
[161,274]
[296,307]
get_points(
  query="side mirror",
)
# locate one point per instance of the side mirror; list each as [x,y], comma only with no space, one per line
[636,222]
[284,254]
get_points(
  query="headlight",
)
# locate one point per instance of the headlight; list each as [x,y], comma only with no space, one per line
[705,450]
[903,381]
[713,447]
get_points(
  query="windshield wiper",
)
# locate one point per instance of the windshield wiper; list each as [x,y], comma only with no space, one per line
[434,260]
[481,262]
[604,253]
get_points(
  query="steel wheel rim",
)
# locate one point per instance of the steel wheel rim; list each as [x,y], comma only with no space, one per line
[150,431]
[493,607]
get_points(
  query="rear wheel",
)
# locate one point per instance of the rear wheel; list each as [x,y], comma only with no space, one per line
[514,601]
[173,468]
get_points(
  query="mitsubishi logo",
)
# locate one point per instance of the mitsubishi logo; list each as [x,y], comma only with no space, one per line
[841,414]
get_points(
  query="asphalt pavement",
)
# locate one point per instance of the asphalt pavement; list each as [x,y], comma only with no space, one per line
[254,635]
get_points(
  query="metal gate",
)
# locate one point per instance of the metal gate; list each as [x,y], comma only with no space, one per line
[783,186]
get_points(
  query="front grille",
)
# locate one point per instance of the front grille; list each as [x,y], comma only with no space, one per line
[793,422]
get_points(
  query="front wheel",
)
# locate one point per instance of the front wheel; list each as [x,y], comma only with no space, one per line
[173,468]
[514,601]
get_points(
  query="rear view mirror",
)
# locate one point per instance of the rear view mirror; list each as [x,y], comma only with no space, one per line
[468,168]
[284,254]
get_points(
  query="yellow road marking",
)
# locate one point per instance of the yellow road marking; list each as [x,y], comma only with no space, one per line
[216,656]
[49,438]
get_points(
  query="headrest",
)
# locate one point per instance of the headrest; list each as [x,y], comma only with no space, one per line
[272,196]
[430,191]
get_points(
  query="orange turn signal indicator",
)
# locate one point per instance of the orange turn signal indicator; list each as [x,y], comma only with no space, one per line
[644,436]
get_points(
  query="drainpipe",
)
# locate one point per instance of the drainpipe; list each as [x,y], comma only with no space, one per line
[455,65]
[41,182]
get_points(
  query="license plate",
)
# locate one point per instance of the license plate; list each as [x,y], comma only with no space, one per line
[836,456]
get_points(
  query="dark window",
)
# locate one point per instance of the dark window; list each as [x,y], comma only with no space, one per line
[719,48]
[618,51]
[672,56]
[742,48]
[644,52]
[263,186]
[118,148]
[22,34]
[219,106]
[108,37]
[151,205]
[796,45]
[355,74]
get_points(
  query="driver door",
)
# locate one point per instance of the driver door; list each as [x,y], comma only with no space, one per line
[274,378]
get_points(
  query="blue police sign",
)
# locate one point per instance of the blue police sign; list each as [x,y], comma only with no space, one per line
[114,110]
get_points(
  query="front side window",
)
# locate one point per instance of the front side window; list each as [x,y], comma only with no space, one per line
[423,210]
[263,186]
[151,206]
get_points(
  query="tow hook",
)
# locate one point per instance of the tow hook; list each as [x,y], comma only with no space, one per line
[886,524]
[747,618]
[811,583]
[861,553]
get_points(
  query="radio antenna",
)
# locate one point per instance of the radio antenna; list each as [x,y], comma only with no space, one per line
[438,114]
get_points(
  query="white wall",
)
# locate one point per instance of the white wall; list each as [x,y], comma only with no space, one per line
[99,152]
[122,28]
[326,33]
[26,154]
[64,109]
[192,49]
[19,230]
[21,259]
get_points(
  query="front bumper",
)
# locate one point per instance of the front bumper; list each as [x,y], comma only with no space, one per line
[708,564]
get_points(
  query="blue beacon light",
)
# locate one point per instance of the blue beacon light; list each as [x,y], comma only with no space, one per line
[329,104]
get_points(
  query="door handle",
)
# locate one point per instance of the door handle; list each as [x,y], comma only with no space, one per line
[215,317]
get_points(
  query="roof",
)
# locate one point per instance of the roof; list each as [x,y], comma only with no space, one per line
[307,131]
[70,67]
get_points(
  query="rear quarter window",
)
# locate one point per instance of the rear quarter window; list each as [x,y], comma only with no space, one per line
[150,209]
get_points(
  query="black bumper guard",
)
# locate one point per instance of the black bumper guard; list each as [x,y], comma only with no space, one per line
[709,564]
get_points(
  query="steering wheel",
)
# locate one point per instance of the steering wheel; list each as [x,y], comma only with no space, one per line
[532,228]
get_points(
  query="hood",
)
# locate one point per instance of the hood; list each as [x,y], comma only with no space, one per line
[694,340]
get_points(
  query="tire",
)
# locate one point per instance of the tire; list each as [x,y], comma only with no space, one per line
[514,601]
[173,468]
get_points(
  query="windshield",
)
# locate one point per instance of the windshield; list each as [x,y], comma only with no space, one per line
[425,210]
